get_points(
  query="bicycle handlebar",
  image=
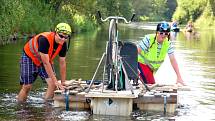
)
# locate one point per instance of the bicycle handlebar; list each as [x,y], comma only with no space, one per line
[116,17]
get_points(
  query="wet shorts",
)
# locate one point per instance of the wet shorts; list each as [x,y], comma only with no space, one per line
[146,74]
[29,71]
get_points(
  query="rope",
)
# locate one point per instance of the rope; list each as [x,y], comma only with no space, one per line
[121,81]
[147,88]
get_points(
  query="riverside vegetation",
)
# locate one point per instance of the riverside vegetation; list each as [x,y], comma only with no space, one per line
[24,17]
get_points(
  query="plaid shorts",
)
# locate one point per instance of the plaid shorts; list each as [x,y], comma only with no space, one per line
[29,71]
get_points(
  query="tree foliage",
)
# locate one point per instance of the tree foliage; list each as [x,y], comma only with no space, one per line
[25,16]
[192,9]
[207,18]
[153,10]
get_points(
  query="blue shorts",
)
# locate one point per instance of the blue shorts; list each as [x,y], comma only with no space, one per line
[29,71]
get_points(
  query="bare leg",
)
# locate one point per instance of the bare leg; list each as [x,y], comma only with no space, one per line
[50,90]
[22,96]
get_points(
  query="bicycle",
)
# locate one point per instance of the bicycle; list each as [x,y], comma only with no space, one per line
[113,61]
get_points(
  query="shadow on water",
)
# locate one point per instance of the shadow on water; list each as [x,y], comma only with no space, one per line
[195,55]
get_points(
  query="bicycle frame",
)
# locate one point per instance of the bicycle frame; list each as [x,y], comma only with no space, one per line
[117,59]
[113,44]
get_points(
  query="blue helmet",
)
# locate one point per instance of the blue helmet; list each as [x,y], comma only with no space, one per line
[163,27]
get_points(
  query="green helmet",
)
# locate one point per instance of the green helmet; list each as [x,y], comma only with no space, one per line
[63,28]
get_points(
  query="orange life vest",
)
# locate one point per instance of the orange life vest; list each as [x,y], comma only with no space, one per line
[31,48]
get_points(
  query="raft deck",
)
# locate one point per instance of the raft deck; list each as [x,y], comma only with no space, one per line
[109,102]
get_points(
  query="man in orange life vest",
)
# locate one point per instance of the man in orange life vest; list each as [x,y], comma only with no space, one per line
[37,59]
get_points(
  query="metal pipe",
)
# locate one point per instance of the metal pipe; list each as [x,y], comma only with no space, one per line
[91,83]
[165,103]
[66,94]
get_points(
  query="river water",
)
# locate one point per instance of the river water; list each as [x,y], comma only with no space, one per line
[195,55]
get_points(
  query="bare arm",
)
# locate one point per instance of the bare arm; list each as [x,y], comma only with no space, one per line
[176,69]
[62,64]
[139,50]
[49,70]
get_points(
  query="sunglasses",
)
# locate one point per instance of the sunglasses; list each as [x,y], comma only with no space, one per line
[164,33]
[62,36]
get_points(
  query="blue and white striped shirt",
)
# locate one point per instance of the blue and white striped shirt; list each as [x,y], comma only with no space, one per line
[144,44]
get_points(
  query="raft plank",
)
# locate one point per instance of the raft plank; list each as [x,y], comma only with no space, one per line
[119,106]
[156,99]
[72,105]
[170,108]
[72,98]
[184,88]
[112,94]
[76,101]
[174,88]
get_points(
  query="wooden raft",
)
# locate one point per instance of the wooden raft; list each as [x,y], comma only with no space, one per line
[120,103]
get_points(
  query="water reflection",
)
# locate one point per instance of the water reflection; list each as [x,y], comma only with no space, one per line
[199,66]
[192,35]
[152,116]
[196,58]
[173,36]
[74,115]
[36,109]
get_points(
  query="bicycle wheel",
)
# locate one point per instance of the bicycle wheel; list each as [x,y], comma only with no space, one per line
[111,53]
[112,42]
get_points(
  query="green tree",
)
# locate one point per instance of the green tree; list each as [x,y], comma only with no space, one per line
[207,18]
[189,10]
[153,10]
[171,4]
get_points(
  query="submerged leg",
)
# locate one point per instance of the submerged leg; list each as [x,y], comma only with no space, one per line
[50,90]
[22,96]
